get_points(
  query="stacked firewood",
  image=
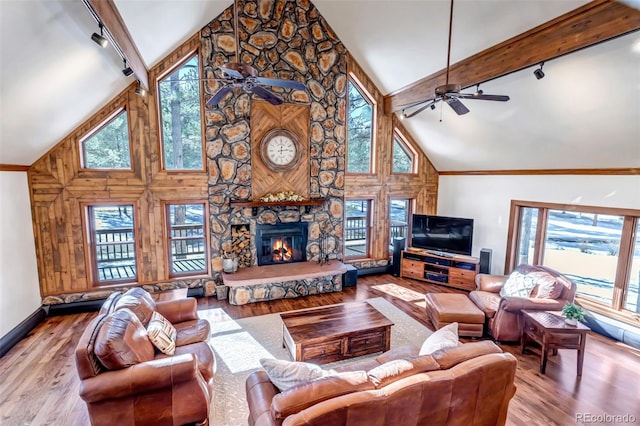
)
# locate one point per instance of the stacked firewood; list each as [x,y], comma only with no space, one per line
[241,243]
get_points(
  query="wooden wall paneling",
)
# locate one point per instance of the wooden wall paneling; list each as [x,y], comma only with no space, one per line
[264,118]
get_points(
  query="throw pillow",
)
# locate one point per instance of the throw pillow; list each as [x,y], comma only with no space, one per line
[287,374]
[518,285]
[547,287]
[162,334]
[446,337]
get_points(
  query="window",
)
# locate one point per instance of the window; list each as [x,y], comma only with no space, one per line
[360,130]
[598,248]
[180,115]
[108,147]
[187,239]
[357,228]
[112,242]
[399,213]
[403,156]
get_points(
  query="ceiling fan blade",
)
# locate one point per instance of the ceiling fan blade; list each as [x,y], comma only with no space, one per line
[292,84]
[218,96]
[266,95]
[483,97]
[457,106]
[428,103]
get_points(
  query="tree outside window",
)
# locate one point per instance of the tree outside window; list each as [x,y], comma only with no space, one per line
[180,103]
[187,241]
[108,146]
[403,157]
[360,131]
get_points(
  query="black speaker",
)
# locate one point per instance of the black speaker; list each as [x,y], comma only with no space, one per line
[350,278]
[398,245]
[485,261]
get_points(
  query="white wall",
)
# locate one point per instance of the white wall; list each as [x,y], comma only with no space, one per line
[19,289]
[487,199]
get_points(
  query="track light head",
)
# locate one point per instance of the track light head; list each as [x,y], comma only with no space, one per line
[127,71]
[539,73]
[140,91]
[433,106]
[479,91]
[100,39]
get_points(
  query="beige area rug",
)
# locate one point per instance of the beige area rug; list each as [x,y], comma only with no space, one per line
[239,345]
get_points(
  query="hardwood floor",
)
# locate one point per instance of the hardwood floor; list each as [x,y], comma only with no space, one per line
[40,384]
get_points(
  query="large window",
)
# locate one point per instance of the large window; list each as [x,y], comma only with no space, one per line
[598,248]
[186,237]
[107,147]
[112,243]
[360,130]
[180,115]
[399,214]
[403,156]
[357,228]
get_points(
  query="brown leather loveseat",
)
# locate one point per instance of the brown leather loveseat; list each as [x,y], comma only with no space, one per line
[540,288]
[126,381]
[471,384]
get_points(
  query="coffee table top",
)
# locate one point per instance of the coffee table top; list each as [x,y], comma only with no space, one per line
[334,320]
[553,320]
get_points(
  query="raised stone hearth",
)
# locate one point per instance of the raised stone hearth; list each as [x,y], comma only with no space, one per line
[271,282]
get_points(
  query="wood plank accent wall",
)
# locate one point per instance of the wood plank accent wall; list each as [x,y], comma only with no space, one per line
[264,118]
[382,185]
[61,189]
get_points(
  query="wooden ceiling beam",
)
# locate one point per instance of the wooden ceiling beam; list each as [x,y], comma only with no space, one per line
[108,14]
[593,23]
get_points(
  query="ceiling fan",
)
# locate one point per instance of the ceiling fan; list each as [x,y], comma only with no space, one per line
[450,93]
[236,74]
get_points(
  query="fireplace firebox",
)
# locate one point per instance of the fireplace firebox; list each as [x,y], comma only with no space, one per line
[281,243]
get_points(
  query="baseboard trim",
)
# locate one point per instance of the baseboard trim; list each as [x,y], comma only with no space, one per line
[19,332]
[372,271]
[74,307]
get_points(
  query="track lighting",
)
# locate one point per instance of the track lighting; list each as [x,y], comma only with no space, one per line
[140,91]
[478,91]
[100,39]
[539,73]
[127,71]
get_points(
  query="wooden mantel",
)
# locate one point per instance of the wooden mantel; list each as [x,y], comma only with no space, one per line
[256,204]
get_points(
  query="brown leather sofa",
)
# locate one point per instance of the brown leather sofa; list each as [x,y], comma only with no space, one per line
[126,381]
[470,384]
[504,320]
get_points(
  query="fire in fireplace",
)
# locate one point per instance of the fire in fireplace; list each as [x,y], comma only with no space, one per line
[281,243]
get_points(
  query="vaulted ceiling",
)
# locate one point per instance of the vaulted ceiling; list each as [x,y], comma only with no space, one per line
[584,114]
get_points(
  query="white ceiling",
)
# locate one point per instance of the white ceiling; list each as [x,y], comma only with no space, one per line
[584,114]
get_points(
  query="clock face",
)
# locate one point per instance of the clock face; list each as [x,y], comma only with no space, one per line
[280,150]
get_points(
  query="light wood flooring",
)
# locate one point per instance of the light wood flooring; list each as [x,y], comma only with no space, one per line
[39,384]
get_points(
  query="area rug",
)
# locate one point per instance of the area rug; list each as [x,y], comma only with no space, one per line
[240,344]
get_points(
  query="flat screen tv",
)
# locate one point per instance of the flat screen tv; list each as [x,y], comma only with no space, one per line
[442,234]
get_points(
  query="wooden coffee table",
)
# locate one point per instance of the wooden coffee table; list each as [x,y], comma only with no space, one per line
[549,330]
[336,332]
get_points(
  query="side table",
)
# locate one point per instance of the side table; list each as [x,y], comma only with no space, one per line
[549,330]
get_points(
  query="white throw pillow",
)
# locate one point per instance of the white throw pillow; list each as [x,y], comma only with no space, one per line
[446,337]
[287,374]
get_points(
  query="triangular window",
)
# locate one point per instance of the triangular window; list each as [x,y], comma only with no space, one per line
[403,156]
[108,146]
[360,130]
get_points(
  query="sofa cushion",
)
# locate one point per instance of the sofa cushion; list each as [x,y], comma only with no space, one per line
[192,331]
[109,304]
[486,301]
[446,337]
[287,374]
[139,301]
[450,357]
[395,370]
[547,286]
[204,355]
[162,334]
[122,341]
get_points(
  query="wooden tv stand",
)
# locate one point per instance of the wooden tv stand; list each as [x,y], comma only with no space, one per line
[452,270]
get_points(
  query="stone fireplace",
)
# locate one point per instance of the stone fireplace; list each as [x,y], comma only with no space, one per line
[281,243]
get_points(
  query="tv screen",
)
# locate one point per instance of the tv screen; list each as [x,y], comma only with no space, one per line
[439,233]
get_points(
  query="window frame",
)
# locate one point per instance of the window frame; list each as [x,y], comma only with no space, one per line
[90,243]
[404,143]
[166,205]
[353,79]
[162,76]
[122,108]
[368,229]
[621,282]
[410,211]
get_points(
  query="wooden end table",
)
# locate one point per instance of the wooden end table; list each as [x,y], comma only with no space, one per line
[549,330]
[332,333]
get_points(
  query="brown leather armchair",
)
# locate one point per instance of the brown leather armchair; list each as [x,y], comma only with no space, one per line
[124,380]
[504,320]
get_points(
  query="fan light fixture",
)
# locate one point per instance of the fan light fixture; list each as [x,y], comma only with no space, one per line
[539,73]
[127,71]
[100,39]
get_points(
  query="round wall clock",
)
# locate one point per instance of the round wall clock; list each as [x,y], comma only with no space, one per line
[280,150]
